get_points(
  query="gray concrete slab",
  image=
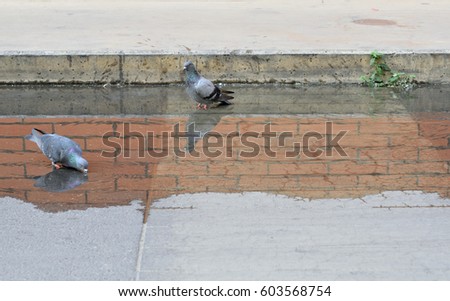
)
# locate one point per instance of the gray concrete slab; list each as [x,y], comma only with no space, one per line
[93,244]
[223,27]
[288,41]
[218,236]
[256,236]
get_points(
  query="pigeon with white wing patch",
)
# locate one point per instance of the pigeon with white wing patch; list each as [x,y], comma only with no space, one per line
[202,90]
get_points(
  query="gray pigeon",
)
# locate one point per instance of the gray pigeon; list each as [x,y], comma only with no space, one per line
[202,90]
[59,149]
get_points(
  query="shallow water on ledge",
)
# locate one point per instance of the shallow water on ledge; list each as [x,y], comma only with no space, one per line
[250,99]
[314,142]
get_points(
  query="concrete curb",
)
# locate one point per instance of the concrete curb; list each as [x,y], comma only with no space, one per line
[319,68]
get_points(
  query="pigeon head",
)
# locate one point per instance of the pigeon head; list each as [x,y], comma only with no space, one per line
[191,73]
[189,68]
[78,162]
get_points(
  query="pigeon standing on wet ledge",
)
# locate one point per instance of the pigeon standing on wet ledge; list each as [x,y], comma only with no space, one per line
[202,90]
[61,150]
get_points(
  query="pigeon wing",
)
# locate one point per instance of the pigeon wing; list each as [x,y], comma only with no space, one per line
[56,147]
[206,89]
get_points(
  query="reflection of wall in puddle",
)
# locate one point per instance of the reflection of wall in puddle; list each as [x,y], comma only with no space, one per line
[384,153]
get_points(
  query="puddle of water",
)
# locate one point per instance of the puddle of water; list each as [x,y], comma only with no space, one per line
[343,147]
[310,142]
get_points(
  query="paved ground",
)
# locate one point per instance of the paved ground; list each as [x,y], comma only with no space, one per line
[255,236]
[75,245]
[186,26]
[219,236]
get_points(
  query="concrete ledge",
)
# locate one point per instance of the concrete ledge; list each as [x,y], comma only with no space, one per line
[321,68]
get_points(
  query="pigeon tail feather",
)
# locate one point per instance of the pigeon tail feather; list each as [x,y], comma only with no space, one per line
[225,99]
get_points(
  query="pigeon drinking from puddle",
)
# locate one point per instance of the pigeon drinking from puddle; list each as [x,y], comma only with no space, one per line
[202,90]
[62,151]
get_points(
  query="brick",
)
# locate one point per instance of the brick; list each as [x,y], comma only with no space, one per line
[68,197]
[146,129]
[330,182]
[154,183]
[95,158]
[408,141]
[391,128]
[357,168]
[349,128]
[190,189]
[110,169]
[38,168]
[434,154]
[403,153]
[279,183]
[223,128]
[434,181]
[435,127]
[143,157]
[264,154]
[363,141]
[237,168]
[417,167]
[388,153]
[183,168]
[241,141]
[331,154]
[297,168]
[22,157]
[351,193]
[154,195]
[83,129]
[279,128]
[116,197]
[11,171]
[308,194]
[206,182]
[18,194]
[202,155]
[14,183]
[388,182]
[20,130]
[11,143]
[110,143]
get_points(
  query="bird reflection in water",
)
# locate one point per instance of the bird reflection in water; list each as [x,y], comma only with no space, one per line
[60,180]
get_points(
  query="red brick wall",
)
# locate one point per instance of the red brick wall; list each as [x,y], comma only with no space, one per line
[384,153]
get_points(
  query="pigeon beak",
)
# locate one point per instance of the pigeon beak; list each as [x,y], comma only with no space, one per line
[85,171]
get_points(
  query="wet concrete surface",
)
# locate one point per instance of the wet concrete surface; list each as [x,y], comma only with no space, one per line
[253,99]
[254,236]
[363,145]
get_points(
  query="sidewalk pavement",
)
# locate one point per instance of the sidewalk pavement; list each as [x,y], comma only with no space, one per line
[332,35]
[224,27]
[220,236]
